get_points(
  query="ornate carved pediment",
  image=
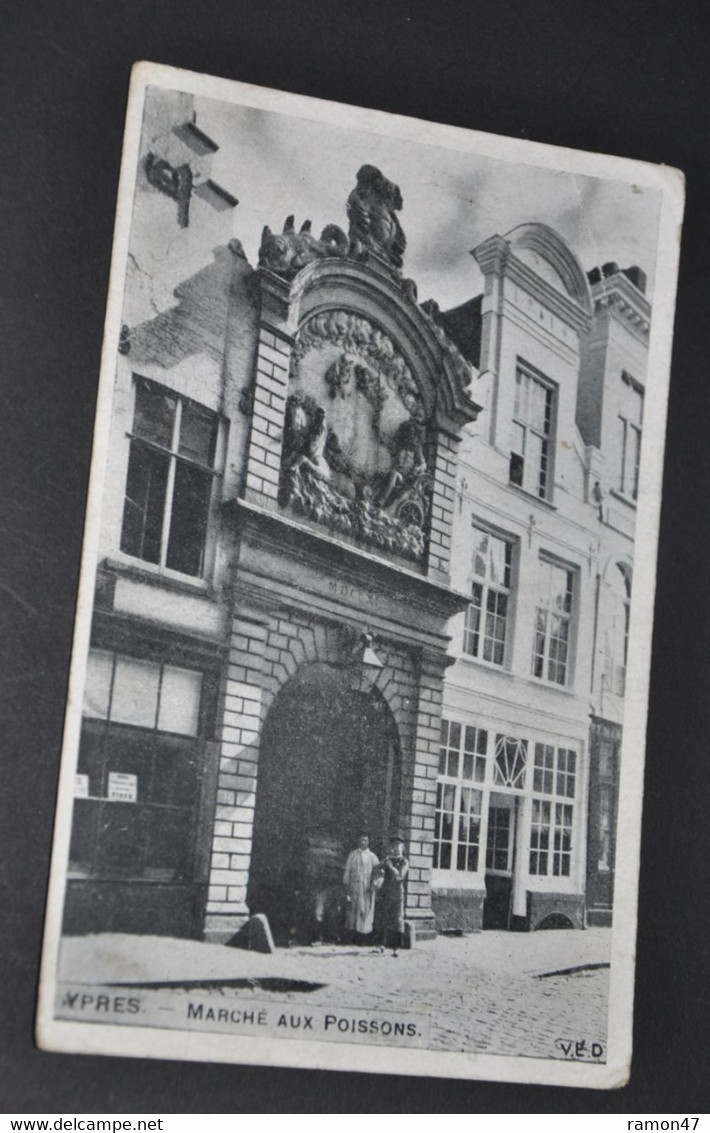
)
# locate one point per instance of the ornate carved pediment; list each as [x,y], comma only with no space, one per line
[357,442]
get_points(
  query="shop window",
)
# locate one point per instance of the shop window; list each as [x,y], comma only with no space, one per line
[511,762]
[486,625]
[552,820]
[630,432]
[462,763]
[553,623]
[139,770]
[533,422]
[171,473]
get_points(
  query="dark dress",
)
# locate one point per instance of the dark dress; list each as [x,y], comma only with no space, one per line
[392,897]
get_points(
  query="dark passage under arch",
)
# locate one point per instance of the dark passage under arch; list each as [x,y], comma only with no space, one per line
[329,771]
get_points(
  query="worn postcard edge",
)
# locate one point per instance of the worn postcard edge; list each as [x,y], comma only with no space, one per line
[56,1035]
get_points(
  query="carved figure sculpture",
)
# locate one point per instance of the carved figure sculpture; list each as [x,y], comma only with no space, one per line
[409,461]
[372,211]
[287,252]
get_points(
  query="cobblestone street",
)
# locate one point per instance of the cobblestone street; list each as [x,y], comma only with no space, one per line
[493,992]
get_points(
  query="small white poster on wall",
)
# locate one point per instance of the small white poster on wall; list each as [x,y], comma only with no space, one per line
[81,787]
[122,788]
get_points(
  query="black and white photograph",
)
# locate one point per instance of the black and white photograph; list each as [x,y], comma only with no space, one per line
[353,757]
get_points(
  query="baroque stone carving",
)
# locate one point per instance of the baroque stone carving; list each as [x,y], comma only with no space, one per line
[347,374]
[463,369]
[285,253]
[384,504]
[357,336]
[372,211]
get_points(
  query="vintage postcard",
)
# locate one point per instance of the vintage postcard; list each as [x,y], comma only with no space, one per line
[354,745]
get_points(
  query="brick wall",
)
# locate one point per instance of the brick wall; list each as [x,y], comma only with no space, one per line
[265,442]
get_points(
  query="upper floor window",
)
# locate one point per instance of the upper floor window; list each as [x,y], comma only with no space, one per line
[462,764]
[618,634]
[530,455]
[171,471]
[553,623]
[486,624]
[630,428]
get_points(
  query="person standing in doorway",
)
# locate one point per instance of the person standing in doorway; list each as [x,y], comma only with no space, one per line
[395,868]
[360,871]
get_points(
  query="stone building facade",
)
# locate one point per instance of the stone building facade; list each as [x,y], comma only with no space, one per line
[356,572]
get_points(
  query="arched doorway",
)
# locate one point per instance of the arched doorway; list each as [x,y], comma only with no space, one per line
[329,770]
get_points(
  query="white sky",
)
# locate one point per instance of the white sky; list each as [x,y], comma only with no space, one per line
[277,164]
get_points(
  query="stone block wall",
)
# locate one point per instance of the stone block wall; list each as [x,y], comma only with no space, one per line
[269,408]
[267,648]
[442,507]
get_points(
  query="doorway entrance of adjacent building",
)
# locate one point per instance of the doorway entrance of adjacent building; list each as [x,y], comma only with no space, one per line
[500,860]
[329,771]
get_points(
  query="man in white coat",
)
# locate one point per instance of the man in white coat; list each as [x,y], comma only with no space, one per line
[360,871]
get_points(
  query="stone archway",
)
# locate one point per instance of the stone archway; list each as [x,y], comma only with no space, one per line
[329,770]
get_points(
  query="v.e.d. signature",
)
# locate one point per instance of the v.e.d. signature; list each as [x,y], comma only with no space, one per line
[580,1050]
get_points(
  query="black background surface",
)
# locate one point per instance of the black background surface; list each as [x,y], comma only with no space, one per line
[628,78]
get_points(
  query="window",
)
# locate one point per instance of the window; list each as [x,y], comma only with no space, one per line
[553,623]
[511,761]
[457,830]
[532,433]
[618,645]
[487,615]
[139,770]
[170,477]
[630,422]
[554,775]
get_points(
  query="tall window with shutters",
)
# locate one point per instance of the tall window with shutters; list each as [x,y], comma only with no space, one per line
[170,481]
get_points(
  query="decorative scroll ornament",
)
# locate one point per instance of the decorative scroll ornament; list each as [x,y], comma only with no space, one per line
[357,336]
[372,211]
[287,252]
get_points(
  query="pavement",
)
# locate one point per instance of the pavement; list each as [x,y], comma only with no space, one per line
[495,992]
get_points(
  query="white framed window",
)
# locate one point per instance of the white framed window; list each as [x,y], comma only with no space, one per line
[170,480]
[553,811]
[533,425]
[630,433]
[487,618]
[462,765]
[552,640]
[510,762]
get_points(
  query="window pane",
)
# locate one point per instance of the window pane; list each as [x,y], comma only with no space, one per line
[180,701]
[135,692]
[188,522]
[145,503]
[98,684]
[198,431]
[154,415]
